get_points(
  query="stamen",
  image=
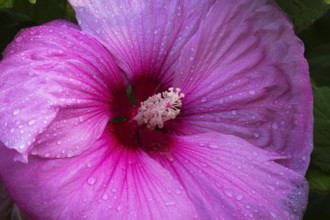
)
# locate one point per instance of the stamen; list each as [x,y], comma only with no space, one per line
[160,108]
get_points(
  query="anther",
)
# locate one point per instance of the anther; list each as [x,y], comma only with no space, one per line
[159,108]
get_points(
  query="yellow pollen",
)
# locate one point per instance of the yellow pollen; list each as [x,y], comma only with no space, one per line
[159,108]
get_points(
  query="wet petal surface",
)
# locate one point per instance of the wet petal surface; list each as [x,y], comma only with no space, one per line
[56,91]
[108,181]
[146,37]
[244,73]
[228,178]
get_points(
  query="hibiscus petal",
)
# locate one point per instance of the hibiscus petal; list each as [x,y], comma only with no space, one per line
[145,36]
[228,178]
[244,73]
[106,182]
[55,89]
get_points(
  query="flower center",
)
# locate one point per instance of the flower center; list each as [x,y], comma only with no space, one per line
[159,108]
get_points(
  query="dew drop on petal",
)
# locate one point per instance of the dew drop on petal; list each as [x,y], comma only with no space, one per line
[178,192]
[18,39]
[34,152]
[81,119]
[91,181]
[31,122]
[105,197]
[170,203]
[16,112]
[256,135]
[275,125]
[273,214]
[21,147]
[213,146]
[252,92]
[201,144]
[239,197]
[229,193]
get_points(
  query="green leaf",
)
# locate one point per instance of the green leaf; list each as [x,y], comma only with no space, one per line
[319,64]
[321,153]
[6,3]
[44,11]
[303,12]
[327,2]
[319,181]
[318,174]
[10,23]
[318,207]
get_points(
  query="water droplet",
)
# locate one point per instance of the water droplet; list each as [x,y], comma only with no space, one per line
[239,197]
[177,191]
[16,112]
[170,203]
[213,146]
[201,144]
[119,208]
[91,181]
[273,214]
[204,99]
[275,125]
[32,122]
[47,155]
[21,147]
[170,157]
[19,39]
[252,92]
[234,112]
[81,119]
[229,193]
[70,154]
[105,197]
[88,165]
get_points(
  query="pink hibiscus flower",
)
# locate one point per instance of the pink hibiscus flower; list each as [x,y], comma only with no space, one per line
[220,125]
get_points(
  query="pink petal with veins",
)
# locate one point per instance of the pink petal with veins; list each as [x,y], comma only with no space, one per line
[57,92]
[108,181]
[146,37]
[244,74]
[228,178]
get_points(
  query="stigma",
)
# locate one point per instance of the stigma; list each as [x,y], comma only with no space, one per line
[159,108]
